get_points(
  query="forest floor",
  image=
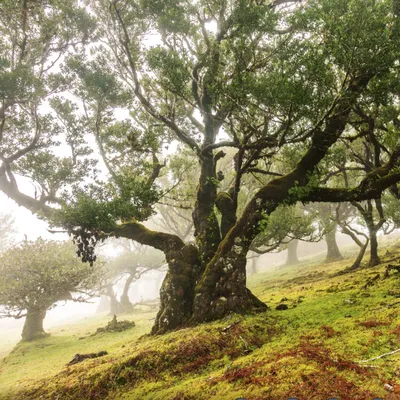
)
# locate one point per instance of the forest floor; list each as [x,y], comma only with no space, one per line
[312,350]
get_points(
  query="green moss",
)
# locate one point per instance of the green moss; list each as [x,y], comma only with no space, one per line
[313,347]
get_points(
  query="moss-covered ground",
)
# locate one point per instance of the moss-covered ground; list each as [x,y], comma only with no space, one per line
[312,350]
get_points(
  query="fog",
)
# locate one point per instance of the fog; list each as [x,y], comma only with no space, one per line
[28,226]
[146,288]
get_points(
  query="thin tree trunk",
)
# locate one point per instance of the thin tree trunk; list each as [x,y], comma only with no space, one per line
[374,257]
[333,252]
[124,300]
[363,247]
[368,215]
[292,258]
[33,327]
[115,306]
[360,256]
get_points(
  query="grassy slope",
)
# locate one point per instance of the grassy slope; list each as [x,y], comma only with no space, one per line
[308,351]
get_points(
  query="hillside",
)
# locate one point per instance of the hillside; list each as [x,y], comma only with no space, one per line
[309,351]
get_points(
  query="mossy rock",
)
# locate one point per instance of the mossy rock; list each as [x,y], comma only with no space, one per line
[116,326]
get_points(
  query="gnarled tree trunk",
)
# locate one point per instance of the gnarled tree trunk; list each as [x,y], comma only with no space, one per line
[363,247]
[360,256]
[33,326]
[177,290]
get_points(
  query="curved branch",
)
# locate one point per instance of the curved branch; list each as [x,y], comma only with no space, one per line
[125,42]
[139,233]
[367,190]
[10,188]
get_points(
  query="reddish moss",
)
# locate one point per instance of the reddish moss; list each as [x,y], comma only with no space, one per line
[245,375]
[373,323]
[329,332]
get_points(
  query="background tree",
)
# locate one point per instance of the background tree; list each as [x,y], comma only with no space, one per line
[34,276]
[262,79]
[325,214]
[344,216]
[286,226]
[128,267]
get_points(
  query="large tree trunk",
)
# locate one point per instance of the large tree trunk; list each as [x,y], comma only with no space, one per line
[224,290]
[292,258]
[177,290]
[210,282]
[33,327]
[333,252]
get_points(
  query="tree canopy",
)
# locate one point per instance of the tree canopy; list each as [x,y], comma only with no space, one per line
[284,84]
[34,276]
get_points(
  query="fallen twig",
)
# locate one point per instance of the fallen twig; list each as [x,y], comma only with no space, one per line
[381,356]
[247,349]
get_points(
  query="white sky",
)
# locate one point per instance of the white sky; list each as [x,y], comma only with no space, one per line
[25,222]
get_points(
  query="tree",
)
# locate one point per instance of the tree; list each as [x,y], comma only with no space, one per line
[129,266]
[34,276]
[286,226]
[260,78]
[326,217]
[344,216]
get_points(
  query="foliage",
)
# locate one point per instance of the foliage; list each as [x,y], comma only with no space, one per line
[285,224]
[36,275]
[286,85]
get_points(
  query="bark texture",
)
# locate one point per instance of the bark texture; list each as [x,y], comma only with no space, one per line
[177,290]
[33,326]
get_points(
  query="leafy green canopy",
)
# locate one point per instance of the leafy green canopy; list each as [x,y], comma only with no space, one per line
[124,79]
